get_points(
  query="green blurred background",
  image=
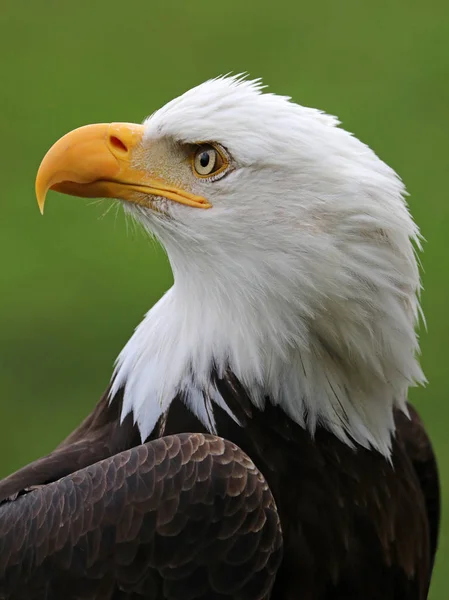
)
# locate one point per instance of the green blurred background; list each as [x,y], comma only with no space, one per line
[75,283]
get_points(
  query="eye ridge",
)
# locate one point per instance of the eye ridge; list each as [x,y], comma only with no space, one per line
[209,161]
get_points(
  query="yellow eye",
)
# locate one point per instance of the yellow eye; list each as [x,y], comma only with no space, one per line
[208,161]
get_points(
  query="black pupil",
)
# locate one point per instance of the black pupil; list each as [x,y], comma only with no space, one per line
[204,159]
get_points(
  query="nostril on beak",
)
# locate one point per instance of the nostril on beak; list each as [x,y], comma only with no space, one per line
[122,138]
[118,145]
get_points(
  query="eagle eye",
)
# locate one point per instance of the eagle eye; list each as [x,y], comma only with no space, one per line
[209,161]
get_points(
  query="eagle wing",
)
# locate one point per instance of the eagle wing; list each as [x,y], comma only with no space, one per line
[183,516]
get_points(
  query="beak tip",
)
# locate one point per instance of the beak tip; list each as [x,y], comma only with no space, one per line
[40,190]
[40,201]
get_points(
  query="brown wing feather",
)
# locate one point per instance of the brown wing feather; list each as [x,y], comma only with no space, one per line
[184,516]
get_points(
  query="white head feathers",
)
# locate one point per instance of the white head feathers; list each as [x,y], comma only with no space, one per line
[302,278]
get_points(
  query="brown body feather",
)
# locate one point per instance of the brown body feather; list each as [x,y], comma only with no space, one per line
[188,516]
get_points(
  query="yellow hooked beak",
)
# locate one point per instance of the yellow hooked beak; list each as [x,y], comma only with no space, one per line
[95,162]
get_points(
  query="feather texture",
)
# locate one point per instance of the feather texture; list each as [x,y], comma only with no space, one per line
[97,520]
[185,516]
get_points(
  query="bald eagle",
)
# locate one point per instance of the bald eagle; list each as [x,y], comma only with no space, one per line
[255,440]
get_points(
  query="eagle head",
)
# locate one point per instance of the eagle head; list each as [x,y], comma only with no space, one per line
[293,256]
